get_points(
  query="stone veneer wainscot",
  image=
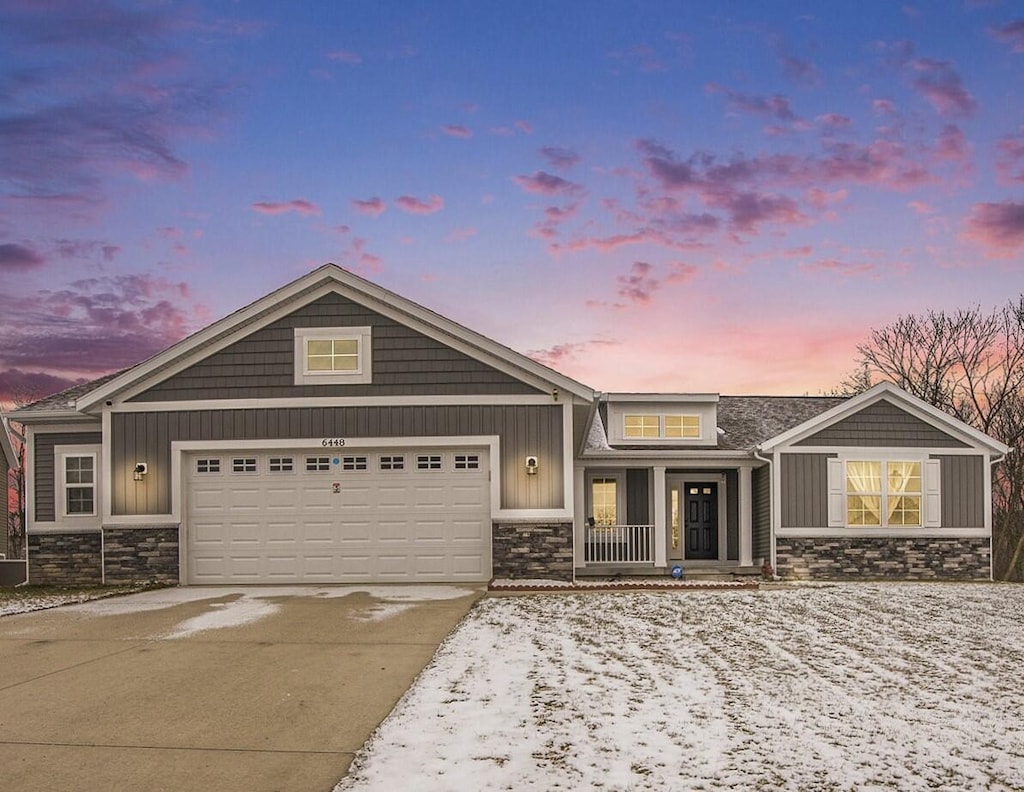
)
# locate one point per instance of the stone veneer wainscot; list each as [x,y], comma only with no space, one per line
[538,550]
[884,558]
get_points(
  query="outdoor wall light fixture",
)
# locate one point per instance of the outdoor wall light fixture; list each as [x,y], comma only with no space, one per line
[531,465]
[141,469]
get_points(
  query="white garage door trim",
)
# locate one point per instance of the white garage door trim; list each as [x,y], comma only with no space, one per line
[336,515]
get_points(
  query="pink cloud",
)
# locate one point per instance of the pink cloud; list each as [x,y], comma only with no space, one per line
[637,285]
[369,206]
[460,234]
[952,145]
[940,84]
[560,158]
[413,205]
[559,354]
[921,207]
[547,184]
[299,206]
[834,120]
[774,106]
[799,70]
[457,131]
[1010,159]
[524,126]
[1011,33]
[681,273]
[345,56]
[844,269]
[18,258]
[884,106]
[997,226]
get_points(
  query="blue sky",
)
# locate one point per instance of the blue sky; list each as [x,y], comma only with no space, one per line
[647,196]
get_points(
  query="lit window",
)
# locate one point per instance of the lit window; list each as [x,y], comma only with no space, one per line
[604,501]
[883,493]
[332,355]
[643,426]
[682,426]
[79,485]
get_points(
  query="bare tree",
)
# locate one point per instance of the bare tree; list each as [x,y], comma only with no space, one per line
[16,516]
[970,364]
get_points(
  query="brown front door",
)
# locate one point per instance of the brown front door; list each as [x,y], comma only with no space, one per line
[701,522]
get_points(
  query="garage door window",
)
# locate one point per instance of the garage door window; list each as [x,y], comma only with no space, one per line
[467,461]
[353,463]
[392,463]
[207,466]
[428,462]
[318,464]
[243,465]
[281,465]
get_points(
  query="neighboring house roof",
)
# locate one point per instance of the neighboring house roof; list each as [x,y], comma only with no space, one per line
[6,447]
[896,395]
[62,403]
[305,289]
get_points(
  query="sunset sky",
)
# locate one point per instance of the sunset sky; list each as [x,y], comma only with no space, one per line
[651,196]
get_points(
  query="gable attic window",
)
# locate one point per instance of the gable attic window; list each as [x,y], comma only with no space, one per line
[661,427]
[332,355]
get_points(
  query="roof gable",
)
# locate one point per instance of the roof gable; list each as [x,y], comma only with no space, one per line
[6,447]
[884,403]
[323,281]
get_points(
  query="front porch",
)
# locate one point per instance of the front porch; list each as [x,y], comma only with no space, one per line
[636,520]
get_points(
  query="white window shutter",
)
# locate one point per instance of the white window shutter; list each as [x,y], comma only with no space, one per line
[932,494]
[836,494]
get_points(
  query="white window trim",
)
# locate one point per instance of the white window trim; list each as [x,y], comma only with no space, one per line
[60,454]
[360,376]
[931,495]
[662,427]
[620,493]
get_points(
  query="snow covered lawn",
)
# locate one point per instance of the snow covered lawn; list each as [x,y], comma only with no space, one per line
[33,598]
[827,687]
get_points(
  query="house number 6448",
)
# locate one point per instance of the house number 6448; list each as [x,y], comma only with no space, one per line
[332,442]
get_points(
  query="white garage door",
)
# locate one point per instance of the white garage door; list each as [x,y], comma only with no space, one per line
[330,517]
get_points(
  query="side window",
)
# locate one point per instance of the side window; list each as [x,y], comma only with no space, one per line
[80,485]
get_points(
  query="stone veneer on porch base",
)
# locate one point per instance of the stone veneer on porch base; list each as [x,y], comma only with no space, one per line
[532,550]
[73,558]
[890,558]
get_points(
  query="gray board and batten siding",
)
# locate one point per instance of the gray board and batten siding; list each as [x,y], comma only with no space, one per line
[261,365]
[882,424]
[804,490]
[45,477]
[761,524]
[523,430]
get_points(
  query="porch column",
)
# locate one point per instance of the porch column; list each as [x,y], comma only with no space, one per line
[746,504]
[660,521]
[579,511]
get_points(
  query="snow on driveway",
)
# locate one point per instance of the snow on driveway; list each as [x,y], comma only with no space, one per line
[829,687]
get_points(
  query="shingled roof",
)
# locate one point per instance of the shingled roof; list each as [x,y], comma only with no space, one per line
[64,401]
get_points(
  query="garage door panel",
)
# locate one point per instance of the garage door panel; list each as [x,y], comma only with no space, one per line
[429,523]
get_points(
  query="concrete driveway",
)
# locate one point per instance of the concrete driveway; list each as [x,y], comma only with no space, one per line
[211,688]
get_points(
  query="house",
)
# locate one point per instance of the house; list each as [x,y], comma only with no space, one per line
[336,432]
[8,462]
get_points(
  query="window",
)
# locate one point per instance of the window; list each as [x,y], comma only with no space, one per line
[281,464]
[243,465]
[682,426]
[467,461]
[605,501]
[353,463]
[80,485]
[643,426]
[656,427]
[392,463]
[332,355]
[887,494]
[428,462]
[208,465]
[318,464]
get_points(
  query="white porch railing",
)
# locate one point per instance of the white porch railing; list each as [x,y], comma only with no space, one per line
[618,544]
